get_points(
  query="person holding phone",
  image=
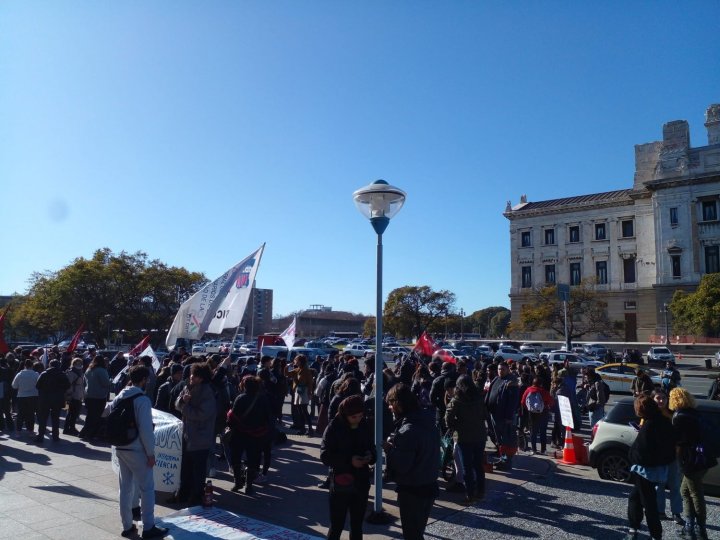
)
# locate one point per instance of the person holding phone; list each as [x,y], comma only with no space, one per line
[347,448]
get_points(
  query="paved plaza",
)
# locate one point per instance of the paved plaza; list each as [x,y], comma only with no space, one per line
[67,489]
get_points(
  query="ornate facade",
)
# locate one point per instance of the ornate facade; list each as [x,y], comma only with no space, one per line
[638,245]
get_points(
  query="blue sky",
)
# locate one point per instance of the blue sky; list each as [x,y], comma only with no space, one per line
[195,131]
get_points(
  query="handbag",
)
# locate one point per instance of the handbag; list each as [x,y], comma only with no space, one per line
[342,483]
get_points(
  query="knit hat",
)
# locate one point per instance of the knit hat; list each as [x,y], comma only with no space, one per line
[352,405]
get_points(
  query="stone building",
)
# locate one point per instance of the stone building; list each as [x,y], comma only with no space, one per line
[319,321]
[639,245]
[257,318]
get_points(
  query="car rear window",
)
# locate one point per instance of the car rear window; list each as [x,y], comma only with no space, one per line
[622,413]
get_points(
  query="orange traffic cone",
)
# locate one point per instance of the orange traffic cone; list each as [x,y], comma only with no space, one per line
[569,450]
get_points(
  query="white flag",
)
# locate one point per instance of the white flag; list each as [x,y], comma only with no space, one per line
[218,305]
[288,336]
[155,361]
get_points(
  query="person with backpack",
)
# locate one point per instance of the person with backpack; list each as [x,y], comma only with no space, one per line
[538,403]
[598,393]
[135,450]
[696,456]
[74,395]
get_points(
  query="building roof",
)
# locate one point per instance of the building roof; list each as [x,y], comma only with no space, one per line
[580,200]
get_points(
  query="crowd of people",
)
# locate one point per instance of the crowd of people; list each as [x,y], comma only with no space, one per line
[234,410]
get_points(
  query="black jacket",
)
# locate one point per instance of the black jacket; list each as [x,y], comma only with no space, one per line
[689,435]
[655,443]
[340,443]
[51,386]
[414,457]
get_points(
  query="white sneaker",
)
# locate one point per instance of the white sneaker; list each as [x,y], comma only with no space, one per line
[261,479]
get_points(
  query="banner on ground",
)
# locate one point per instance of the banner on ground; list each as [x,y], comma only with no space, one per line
[198,522]
[219,305]
[168,452]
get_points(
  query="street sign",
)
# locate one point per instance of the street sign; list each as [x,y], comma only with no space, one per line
[563,292]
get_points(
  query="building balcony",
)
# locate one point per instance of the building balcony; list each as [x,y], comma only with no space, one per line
[709,229]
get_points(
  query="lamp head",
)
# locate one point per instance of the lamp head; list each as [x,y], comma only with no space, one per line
[379,202]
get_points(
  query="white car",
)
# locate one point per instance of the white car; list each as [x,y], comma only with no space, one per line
[576,361]
[357,350]
[660,355]
[619,377]
[198,348]
[510,353]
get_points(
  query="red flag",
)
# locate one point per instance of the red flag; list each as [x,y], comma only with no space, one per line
[447,357]
[140,347]
[3,346]
[75,339]
[425,345]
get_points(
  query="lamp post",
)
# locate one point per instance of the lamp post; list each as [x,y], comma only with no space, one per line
[667,328]
[462,320]
[379,202]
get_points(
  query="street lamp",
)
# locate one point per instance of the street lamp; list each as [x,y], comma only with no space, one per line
[379,202]
[667,328]
[462,320]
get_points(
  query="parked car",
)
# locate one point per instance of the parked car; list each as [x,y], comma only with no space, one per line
[510,353]
[576,361]
[484,351]
[660,355]
[595,350]
[612,437]
[356,349]
[619,377]
[198,348]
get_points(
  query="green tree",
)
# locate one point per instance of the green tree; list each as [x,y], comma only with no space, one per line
[127,289]
[698,313]
[369,327]
[480,320]
[499,323]
[587,314]
[410,310]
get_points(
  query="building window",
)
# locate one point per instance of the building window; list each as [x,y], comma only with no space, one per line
[629,270]
[550,274]
[712,260]
[549,237]
[628,229]
[675,259]
[674,217]
[601,272]
[575,276]
[599,231]
[630,304]
[526,277]
[574,233]
[525,239]
[709,211]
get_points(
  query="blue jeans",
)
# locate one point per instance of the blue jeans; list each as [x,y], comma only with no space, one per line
[673,484]
[597,415]
[473,457]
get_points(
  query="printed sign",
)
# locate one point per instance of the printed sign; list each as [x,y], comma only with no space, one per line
[566,411]
[168,452]
[189,523]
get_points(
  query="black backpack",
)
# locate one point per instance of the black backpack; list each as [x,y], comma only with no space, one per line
[121,426]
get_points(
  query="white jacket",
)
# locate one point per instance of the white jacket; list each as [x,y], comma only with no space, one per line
[24,382]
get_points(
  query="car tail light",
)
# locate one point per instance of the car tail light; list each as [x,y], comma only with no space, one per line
[594,431]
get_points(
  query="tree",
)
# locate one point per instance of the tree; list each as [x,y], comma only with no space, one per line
[136,293]
[410,310]
[587,314]
[499,323]
[698,313]
[369,327]
[480,320]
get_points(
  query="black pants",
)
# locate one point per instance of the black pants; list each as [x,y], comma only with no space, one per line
[6,419]
[52,409]
[95,407]
[414,513]
[27,409]
[340,505]
[643,496]
[192,475]
[74,406]
[243,445]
